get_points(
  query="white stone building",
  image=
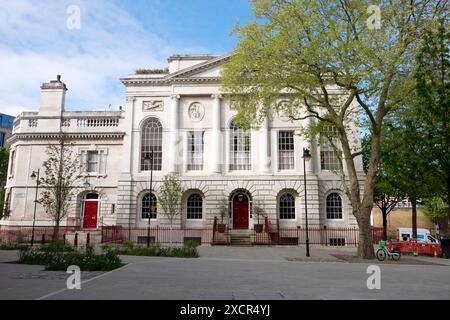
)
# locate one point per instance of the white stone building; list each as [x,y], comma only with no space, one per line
[181,116]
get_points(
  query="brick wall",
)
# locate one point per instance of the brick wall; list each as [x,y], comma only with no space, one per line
[401,217]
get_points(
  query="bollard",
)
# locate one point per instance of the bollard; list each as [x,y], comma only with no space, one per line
[43,239]
[88,239]
[75,240]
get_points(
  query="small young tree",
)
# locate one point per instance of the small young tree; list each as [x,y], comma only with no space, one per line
[258,212]
[386,198]
[170,198]
[60,176]
[4,159]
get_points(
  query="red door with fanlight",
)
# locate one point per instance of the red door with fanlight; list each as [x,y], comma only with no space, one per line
[90,214]
[240,211]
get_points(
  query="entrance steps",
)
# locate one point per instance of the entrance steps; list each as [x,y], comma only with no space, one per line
[240,237]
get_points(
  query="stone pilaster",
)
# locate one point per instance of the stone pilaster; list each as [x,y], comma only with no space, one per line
[216,164]
[174,133]
[128,138]
[264,159]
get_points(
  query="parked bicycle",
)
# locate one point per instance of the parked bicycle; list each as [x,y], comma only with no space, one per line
[384,252]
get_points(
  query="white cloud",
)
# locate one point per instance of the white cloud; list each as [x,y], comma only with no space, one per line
[35,46]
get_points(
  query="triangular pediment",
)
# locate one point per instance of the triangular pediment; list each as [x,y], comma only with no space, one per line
[208,69]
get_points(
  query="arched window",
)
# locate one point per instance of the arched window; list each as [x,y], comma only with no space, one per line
[240,148]
[334,206]
[149,205]
[151,140]
[287,206]
[194,206]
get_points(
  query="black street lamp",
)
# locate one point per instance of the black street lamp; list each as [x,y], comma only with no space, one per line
[306,156]
[35,175]
[151,209]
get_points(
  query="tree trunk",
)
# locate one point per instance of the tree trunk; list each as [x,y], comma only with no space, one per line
[384,214]
[414,217]
[56,231]
[365,245]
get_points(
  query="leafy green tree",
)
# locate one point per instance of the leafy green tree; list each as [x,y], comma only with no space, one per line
[407,164]
[4,160]
[436,209]
[432,77]
[170,198]
[58,184]
[386,192]
[419,164]
[325,61]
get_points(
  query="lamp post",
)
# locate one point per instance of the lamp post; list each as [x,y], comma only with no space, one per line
[149,156]
[306,156]
[35,175]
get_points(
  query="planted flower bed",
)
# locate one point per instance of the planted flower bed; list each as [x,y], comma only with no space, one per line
[58,257]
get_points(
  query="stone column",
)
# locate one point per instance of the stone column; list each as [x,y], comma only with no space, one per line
[216,136]
[174,116]
[264,147]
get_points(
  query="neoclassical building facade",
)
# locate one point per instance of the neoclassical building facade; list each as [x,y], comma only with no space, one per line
[177,121]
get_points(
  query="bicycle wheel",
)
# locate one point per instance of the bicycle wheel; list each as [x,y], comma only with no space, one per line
[396,256]
[381,255]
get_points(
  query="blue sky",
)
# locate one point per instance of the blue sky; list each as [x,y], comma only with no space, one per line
[115,38]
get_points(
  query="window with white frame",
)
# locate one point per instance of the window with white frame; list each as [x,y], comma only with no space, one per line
[287,206]
[195,150]
[194,206]
[240,148]
[151,145]
[286,150]
[93,161]
[92,164]
[329,158]
[334,206]
[149,206]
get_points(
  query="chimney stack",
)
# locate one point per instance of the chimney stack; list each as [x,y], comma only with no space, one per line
[52,97]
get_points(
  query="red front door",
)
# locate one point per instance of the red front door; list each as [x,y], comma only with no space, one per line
[90,214]
[240,211]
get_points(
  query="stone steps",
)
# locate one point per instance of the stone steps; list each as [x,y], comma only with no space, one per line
[240,237]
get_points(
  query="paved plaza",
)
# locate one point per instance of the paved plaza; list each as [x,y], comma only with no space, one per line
[232,273]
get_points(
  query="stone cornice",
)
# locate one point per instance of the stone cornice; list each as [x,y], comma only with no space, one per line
[70,136]
[164,82]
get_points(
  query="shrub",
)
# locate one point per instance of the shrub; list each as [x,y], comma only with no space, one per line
[189,250]
[127,244]
[57,246]
[191,244]
[151,71]
[56,257]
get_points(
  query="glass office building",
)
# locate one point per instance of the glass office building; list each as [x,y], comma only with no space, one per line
[6,125]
